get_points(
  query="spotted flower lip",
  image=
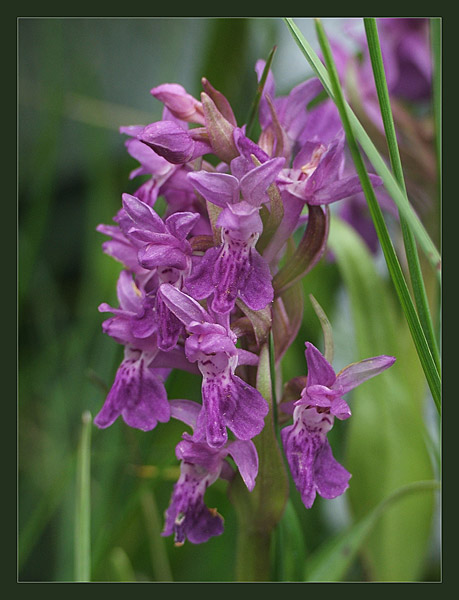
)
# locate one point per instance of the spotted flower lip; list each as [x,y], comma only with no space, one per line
[187,517]
[309,455]
[227,400]
[137,395]
[235,269]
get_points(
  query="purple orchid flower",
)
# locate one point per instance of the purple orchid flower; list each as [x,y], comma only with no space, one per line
[179,102]
[138,393]
[287,113]
[174,143]
[187,516]
[227,400]
[405,47]
[162,246]
[150,164]
[316,176]
[313,467]
[235,269]
[167,179]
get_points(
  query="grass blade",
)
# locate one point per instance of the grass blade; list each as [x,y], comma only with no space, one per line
[414,266]
[83,503]
[159,558]
[260,87]
[370,150]
[393,265]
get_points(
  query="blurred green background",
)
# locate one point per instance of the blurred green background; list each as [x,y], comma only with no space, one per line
[80,79]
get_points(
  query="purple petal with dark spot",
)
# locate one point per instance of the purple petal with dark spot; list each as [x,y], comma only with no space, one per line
[138,395]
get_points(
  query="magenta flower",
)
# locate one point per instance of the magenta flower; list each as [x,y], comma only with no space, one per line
[313,467]
[290,114]
[174,143]
[235,269]
[138,393]
[179,102]
[187,516]
[317,177]
[227,401]
[162,246]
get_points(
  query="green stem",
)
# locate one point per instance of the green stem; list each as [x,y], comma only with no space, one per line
[253,556]
[260,511]
[414,266]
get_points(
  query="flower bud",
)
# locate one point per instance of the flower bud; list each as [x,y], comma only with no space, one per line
[181,104]
[220,130]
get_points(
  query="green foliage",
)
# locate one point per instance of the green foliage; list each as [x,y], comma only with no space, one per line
[386,445]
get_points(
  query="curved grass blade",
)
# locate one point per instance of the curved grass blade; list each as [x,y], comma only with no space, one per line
[83,503]
[417,281]
[370,150]
[393,265]
[332,561]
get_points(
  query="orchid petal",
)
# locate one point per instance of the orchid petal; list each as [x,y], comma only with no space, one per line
[185,308]
[320,370]
[356,373]
[219,188]
[245,456]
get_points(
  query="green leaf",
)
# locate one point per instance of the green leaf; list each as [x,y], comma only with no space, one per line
[83,503]
[333,559]
[386,443]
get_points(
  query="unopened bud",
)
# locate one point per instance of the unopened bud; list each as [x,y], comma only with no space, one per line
[181,104]
[220,130]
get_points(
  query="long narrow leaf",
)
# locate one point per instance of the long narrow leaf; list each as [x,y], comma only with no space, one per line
[370,150]
[393,265]
[83,503]
[260,87]
[414,265]
[159,558]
